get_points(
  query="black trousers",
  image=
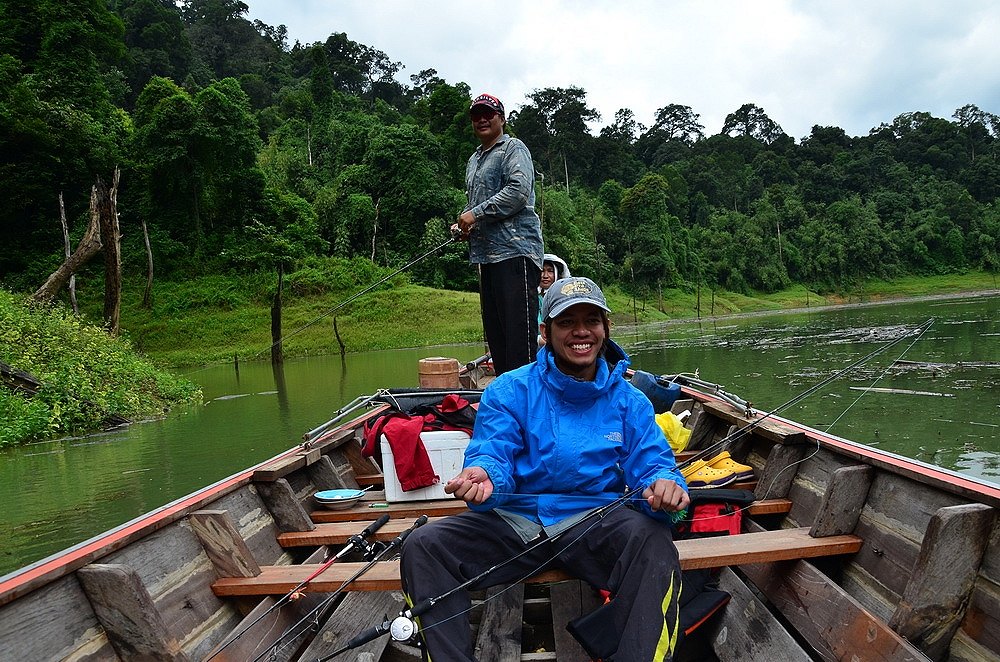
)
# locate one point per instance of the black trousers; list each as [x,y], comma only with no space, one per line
[625,551]
[508,295]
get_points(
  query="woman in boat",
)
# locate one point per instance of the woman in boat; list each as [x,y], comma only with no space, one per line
[554,441]
[553,268]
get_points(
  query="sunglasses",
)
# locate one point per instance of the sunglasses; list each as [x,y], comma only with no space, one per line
[485,114]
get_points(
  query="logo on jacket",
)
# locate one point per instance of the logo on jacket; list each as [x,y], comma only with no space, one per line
[615,436]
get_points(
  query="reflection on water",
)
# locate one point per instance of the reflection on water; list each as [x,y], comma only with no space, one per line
[61,492]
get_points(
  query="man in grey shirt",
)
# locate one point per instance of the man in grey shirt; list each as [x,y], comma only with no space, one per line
[505,236]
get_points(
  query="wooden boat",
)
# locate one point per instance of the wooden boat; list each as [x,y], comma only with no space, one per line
[849,553]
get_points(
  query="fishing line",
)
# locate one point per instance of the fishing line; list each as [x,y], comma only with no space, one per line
[613,506]
[424,605]
[355,542]
[738,434]
[880,376]
[319,612]
[350,299]
[917,335]
[427,603]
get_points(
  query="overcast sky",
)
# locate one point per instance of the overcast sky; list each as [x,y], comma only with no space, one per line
[847,63]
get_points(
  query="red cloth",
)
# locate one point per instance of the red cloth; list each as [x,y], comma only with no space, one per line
[402,431]
[413,466]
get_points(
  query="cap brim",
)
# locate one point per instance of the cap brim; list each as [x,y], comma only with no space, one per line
[563,306]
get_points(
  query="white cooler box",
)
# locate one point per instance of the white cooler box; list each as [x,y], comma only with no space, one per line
[446,450]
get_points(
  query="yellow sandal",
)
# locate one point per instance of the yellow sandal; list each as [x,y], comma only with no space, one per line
[724,462]
[700,476]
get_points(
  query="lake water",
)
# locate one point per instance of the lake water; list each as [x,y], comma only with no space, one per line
[943,408]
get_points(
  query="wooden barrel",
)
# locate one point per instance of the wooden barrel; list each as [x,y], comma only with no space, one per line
[439,372]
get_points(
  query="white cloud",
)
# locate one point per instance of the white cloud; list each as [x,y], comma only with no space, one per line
[852,64]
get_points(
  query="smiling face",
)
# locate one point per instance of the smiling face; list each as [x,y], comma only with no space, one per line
[487,124]
[576,338]
[548,276]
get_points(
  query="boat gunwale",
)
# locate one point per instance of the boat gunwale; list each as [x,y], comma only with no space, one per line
[34,576]
[937,477]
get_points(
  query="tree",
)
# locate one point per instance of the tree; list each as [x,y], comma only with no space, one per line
[406,181]
[156,43]
[58,125]
[554,126]
[445,113]
[362,70]
[751,120]
[651,259]
[675,129]
[283,230]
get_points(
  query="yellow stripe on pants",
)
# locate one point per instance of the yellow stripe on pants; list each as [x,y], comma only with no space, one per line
[668,636]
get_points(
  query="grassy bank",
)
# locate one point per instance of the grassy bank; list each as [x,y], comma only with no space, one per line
[86,376]
[212,319]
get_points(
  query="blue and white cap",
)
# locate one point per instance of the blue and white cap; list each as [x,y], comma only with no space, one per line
[567,292]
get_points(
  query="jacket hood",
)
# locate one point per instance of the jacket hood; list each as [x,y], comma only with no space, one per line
[562,269]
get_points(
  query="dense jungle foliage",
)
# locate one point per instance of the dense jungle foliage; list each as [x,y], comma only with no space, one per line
[243,152]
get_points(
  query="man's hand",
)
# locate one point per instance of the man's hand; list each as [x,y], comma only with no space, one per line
[473,485]
[665,495]
[457,233]
[466,222]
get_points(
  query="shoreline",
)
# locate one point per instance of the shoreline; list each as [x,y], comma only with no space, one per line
[974,294]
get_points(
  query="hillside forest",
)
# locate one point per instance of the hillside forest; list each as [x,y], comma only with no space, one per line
[242,152]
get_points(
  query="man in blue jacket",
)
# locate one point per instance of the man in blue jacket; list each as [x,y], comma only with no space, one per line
[553,441]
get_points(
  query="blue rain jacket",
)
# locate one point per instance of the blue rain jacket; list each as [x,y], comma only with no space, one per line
[556,447]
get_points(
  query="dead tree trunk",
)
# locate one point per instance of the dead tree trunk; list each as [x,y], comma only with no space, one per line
[107,205]
[68,251]
[277,356]
[89,246]
[147,295]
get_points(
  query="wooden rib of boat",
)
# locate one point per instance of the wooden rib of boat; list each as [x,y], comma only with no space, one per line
[850,553]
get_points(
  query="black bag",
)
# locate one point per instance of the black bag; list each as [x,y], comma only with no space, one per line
[714,512]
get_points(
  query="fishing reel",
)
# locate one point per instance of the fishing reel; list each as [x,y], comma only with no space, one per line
[372,550]
[404,630]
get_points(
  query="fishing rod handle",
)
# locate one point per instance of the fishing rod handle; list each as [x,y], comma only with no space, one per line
[374,526]
[398,540]
[360,639]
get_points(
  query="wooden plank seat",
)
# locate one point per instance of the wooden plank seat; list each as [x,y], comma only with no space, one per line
[374,506]
[715,552]
[362,512]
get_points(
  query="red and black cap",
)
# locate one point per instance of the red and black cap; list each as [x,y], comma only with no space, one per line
[487,101]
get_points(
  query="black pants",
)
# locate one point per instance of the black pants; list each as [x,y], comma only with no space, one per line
[627,552]
[508,295]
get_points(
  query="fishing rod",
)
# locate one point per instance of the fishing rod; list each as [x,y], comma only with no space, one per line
[685,379]
[738,434]
[382,396]
[368,289]
[404,628]
[318,614]
[352,298]
[358,541]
